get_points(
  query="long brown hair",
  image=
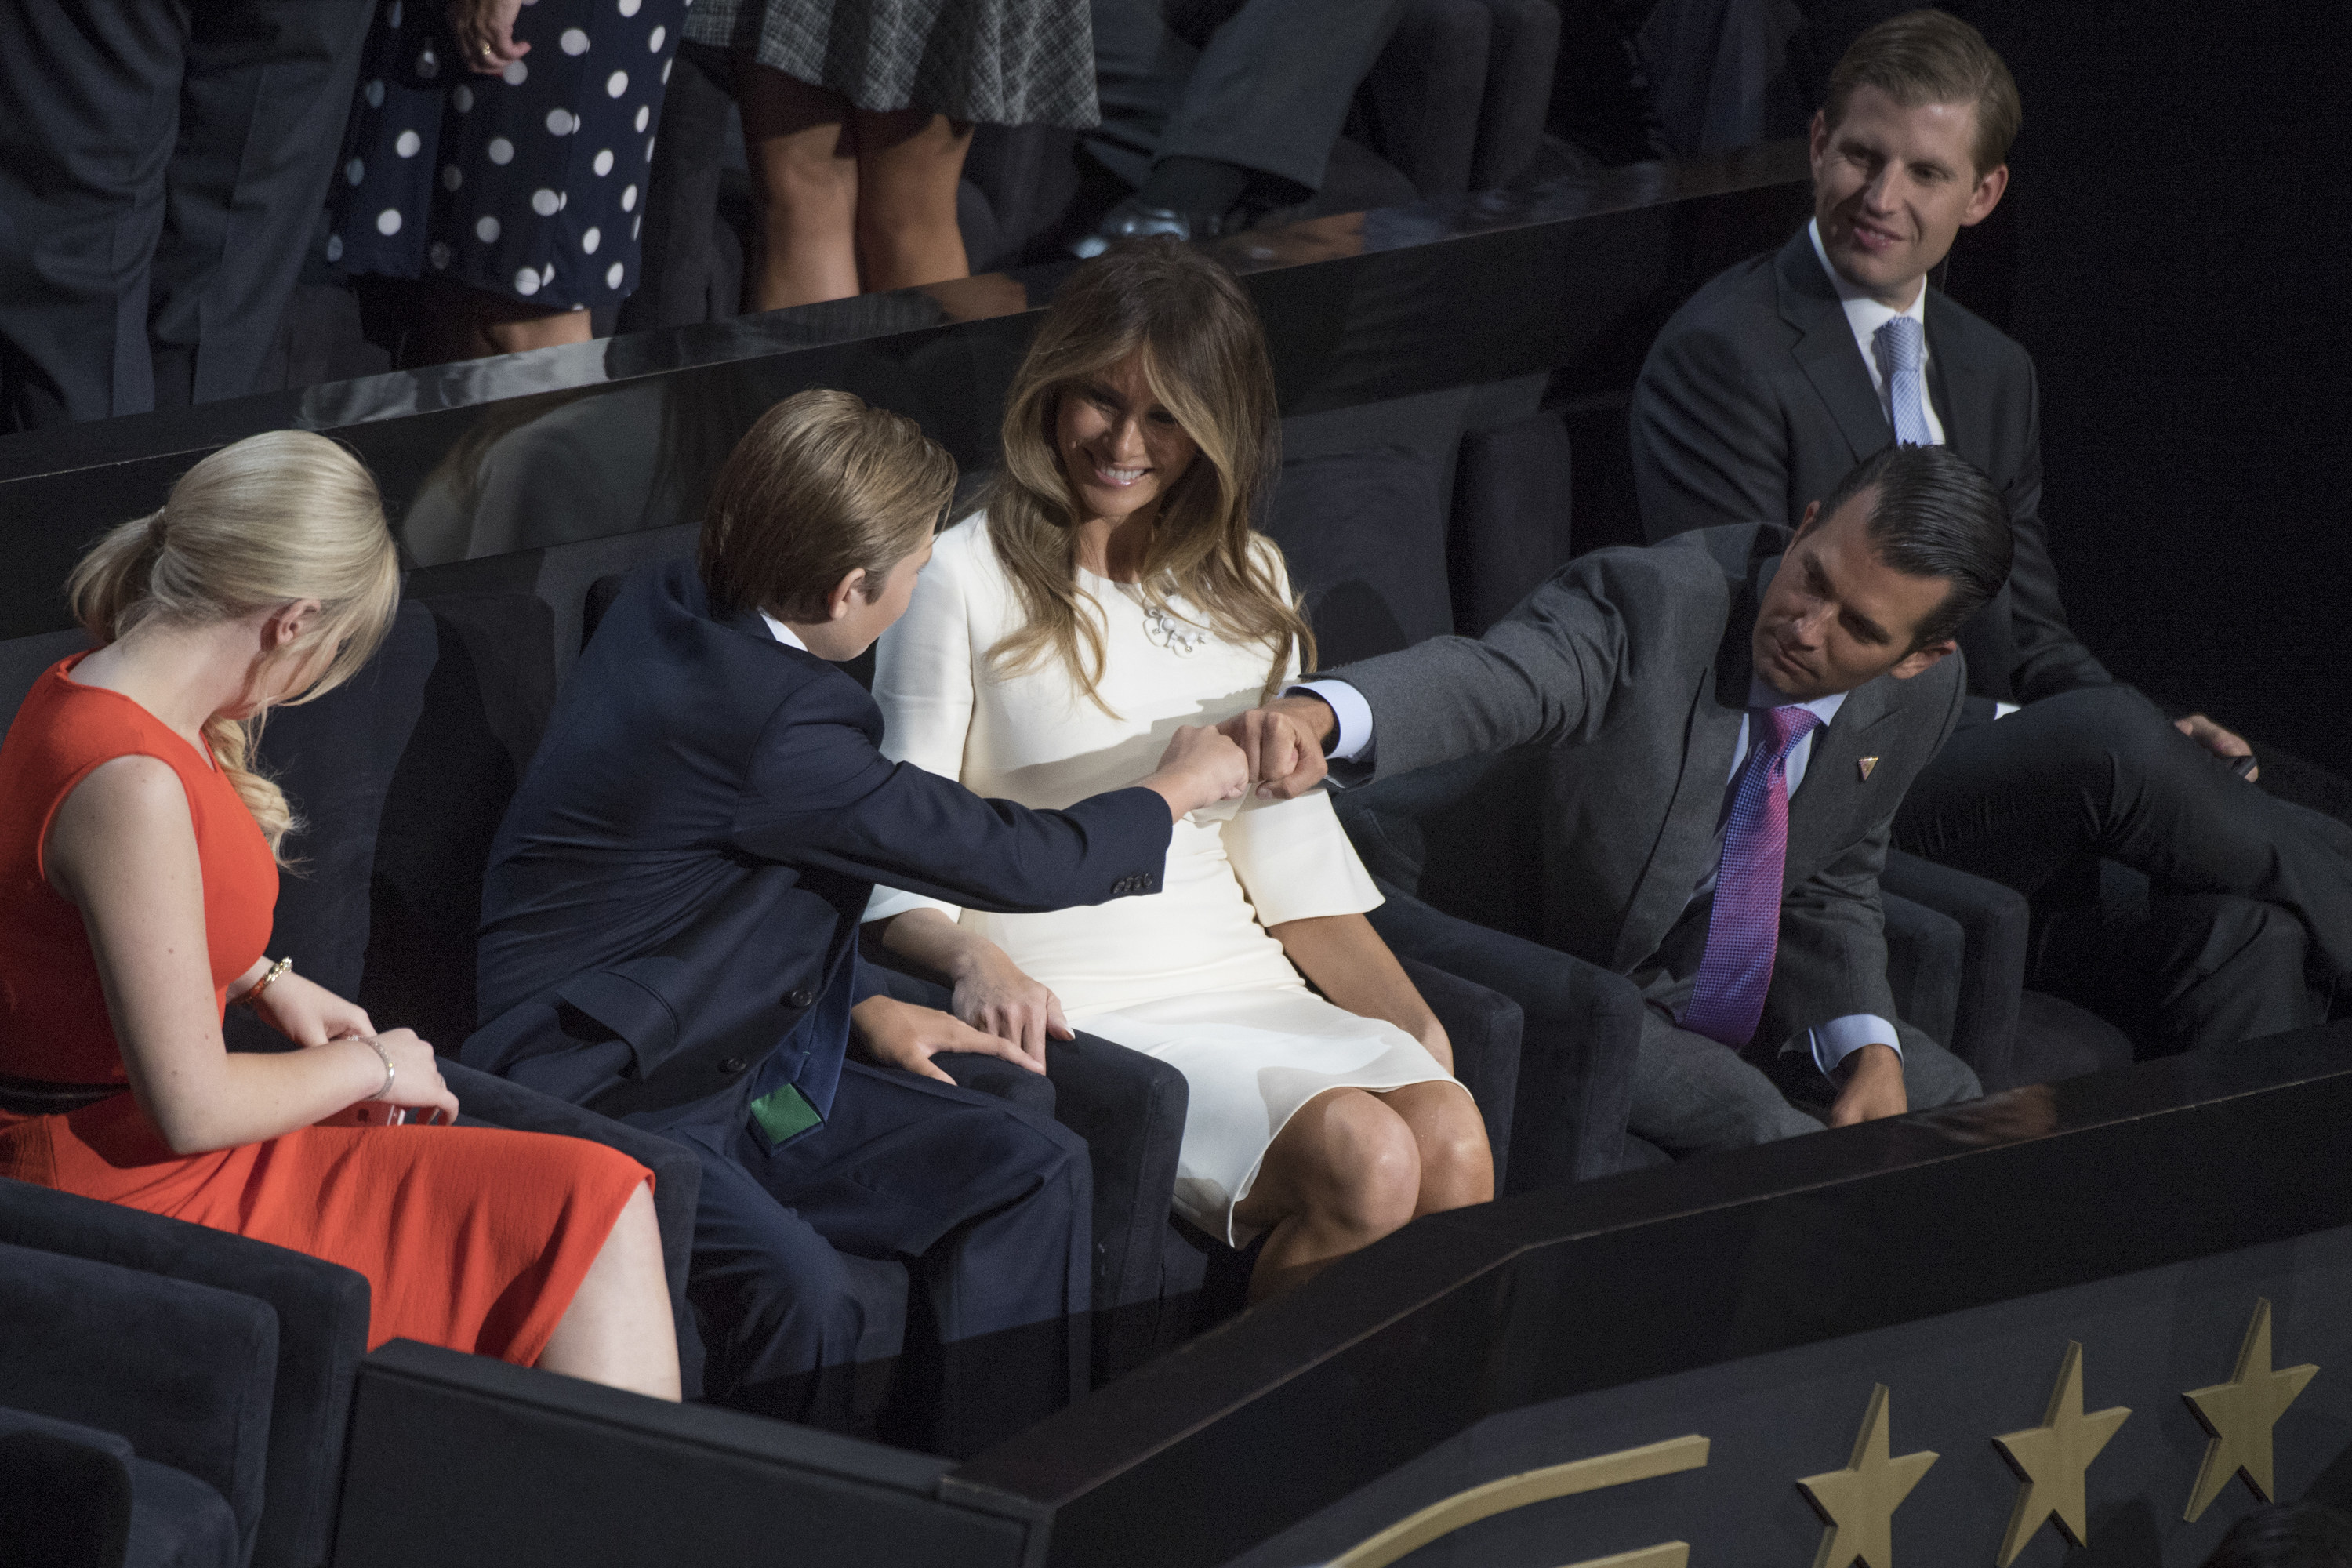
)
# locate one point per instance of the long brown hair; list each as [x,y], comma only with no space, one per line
[1204,356]
[277,517]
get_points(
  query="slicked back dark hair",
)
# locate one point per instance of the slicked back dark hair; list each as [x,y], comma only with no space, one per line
[1933,514]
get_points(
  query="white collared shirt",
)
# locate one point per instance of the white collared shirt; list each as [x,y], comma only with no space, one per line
[1866,316]
[782,633]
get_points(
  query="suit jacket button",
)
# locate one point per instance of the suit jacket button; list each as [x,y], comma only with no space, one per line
[799,998]
[732,1066]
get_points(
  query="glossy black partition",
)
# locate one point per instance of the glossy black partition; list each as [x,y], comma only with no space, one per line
[1569,281]
[1323,1400]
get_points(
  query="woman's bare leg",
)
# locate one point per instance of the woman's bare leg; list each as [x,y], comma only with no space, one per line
[908,166]
[803,151]
[512,330]
[456,322]
[1457,1168]
[1343,1172]
[619,1330]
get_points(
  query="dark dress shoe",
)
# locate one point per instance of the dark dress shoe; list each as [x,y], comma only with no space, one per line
[1132,219]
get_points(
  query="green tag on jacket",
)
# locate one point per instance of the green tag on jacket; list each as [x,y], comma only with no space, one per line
[785,1114]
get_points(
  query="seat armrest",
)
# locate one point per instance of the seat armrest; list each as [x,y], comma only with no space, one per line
[322,1323]
[1925,952]
[68,1491]
[181,1372]
[1995,922]
[1484,1028]
[1581,1027]
[1130,1108]
[677,1174]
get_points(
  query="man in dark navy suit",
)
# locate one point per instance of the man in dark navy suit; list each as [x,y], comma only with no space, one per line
[669,936]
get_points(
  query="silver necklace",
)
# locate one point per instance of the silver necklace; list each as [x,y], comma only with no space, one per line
[1171,633]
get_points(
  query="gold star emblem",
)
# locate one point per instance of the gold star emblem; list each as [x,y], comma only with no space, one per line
[2050,1459]
[2240,1414]
[1858,1503]
[1862,766]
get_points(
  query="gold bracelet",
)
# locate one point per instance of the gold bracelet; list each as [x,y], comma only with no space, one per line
[276,971]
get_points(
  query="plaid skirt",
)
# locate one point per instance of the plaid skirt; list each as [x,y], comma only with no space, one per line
[998,62]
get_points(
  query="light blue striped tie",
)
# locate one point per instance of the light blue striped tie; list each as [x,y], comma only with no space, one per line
[1902,350]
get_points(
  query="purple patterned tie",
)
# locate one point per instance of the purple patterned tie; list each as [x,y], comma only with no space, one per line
[1743,930]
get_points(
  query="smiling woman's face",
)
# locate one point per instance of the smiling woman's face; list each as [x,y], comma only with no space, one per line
[1121,451]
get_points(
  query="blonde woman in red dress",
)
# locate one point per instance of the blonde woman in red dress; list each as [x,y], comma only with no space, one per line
[138,872]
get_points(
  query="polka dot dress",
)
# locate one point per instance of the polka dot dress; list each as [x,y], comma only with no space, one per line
[530,184]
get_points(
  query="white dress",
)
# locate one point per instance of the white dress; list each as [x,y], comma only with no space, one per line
[1188,975]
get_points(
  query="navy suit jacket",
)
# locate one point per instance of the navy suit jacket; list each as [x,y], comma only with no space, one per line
[675,894]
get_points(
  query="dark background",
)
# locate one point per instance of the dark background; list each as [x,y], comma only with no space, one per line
[2171,251]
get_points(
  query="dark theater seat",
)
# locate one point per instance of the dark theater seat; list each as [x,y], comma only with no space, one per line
[80,1497]
[227,1359]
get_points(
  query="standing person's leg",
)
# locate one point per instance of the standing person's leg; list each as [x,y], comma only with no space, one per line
[908,164]
[90,95]
[1141,69]
[267,85]
[682,195]
[804,146]
[1272,87]
[990,1204]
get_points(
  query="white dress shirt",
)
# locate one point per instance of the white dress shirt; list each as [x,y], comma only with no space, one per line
[1830,1042]
[782,633]
[1866,316]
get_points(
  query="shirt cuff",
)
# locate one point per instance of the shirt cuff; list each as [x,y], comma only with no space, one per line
[1839,1038]
[1355,715]
[2003,709]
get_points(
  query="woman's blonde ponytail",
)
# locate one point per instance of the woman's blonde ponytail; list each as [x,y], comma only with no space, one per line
[277,517]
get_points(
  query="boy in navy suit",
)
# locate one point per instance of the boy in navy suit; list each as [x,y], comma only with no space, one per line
[670,929]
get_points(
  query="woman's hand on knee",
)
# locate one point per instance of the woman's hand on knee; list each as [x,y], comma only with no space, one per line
[994,995]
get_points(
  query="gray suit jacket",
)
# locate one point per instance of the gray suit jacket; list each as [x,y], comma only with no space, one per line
[1755,402]
[1635,665]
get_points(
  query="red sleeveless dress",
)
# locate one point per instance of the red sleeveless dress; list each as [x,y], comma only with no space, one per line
[474,1238]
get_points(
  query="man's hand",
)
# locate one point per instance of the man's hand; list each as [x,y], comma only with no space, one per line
[2216,739]
[1873,1087]
[899,1034]
[1284,742]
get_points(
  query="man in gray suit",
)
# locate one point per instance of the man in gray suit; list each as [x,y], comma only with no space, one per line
[1744,708]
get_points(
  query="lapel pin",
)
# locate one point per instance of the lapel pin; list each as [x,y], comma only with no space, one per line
[1863,764]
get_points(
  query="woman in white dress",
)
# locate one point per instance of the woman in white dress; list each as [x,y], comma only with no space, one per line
[1111,590]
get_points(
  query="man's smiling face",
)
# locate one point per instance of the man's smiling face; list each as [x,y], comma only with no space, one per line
[1893,186]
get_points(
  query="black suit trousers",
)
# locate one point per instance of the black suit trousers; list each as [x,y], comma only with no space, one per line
[1261,84]
[2247,915]
[984,1198]
[166,165]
